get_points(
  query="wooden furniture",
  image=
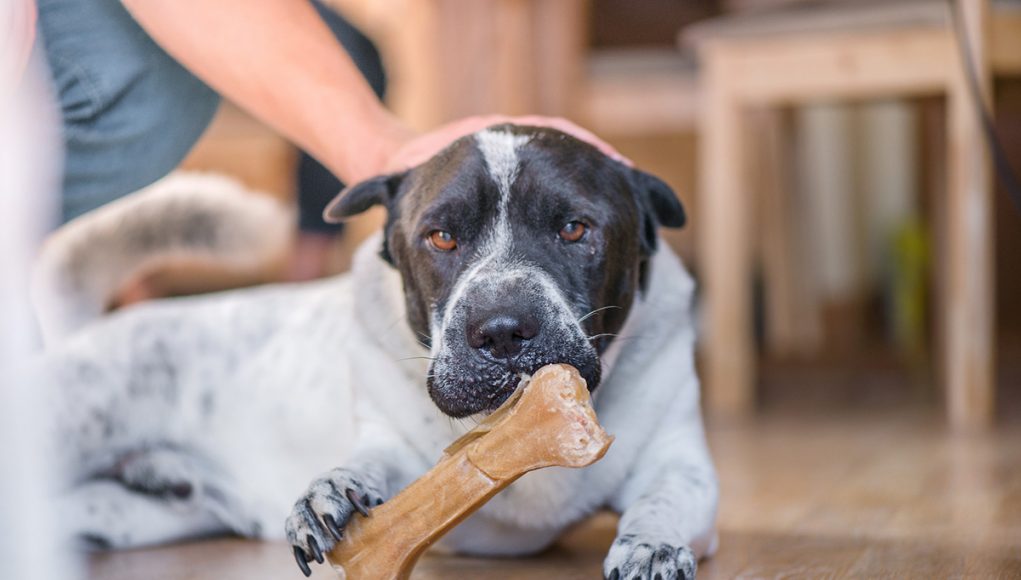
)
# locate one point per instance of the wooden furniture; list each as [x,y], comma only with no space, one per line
[856,50]
[638,92]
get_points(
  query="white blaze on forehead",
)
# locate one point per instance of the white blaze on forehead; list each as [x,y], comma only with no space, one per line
[500,150]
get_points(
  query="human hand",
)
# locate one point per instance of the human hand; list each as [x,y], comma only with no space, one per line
[420,148]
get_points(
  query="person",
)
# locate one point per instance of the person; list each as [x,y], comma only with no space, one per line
[138,81]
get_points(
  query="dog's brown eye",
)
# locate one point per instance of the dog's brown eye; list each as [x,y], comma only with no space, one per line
[573,231]
[442,241]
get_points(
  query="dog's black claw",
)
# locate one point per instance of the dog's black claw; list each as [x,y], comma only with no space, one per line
[331,524]
[356,501]
[314,546]
[614,575]
[379,501]
[302,560]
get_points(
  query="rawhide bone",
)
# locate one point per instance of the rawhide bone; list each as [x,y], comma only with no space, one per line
[547,422]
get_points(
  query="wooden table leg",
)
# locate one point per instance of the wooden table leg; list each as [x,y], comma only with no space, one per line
[969,292]
[724,252]
[793,313]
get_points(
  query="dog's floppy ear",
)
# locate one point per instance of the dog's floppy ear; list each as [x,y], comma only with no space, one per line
[361,196]
[659,206]
[665,206]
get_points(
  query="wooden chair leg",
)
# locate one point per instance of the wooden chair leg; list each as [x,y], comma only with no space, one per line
[793,315]
[969,221]
[725,255]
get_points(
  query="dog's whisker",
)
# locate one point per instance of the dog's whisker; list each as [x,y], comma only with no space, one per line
[469,422]
[618,337]
[423,343]
[594,312]
[462,422]
[407,358]
[389,328]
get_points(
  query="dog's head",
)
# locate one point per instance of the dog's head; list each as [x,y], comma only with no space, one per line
[518,247]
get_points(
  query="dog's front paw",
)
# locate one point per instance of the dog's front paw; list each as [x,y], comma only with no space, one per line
[317,521]
[637,558]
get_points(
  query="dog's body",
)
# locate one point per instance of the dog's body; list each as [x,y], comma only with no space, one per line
[207,414]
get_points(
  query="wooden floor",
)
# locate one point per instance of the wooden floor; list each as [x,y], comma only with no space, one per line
[832,480]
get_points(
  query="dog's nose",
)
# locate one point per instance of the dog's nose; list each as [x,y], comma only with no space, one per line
[502,335]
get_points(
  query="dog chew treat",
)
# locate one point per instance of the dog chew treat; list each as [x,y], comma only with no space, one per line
[548,421]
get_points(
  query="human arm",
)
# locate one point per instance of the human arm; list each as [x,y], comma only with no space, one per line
[279,61]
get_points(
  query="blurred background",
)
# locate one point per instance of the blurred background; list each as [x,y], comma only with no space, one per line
[857,258]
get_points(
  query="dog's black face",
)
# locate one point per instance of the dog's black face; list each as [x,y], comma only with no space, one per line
[518,247]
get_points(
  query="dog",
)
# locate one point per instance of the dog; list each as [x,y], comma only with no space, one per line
[513,248]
